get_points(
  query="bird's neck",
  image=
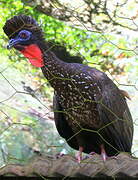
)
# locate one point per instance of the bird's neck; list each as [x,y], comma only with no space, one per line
[54,69]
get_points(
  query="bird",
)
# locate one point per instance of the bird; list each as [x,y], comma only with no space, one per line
[90,111]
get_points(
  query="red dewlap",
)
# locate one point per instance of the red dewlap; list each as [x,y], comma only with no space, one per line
[34,54]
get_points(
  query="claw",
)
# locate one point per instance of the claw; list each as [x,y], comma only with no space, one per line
[92,153]
[89,155]
[59,155]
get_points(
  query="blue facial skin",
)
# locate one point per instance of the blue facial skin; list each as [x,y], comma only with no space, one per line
[22,37]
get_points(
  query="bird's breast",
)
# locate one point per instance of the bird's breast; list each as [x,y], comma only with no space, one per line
[79,105]
[76,92]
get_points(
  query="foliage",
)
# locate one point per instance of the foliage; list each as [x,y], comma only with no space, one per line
[94,47]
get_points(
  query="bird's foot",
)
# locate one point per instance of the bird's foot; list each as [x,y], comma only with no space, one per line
[112,157]
[89,155]
[78,157]
[92,153]
[59,155]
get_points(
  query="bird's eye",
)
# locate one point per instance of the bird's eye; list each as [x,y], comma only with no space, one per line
[23,35]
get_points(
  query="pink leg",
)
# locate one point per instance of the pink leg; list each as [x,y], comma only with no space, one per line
[103,153]
[79,154]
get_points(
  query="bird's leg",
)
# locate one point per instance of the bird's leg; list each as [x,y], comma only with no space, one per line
[103,153]
[79,154]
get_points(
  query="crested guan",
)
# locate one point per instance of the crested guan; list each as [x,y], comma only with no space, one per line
[90,112]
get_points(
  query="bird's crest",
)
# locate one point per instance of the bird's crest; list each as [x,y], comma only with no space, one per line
[17,23]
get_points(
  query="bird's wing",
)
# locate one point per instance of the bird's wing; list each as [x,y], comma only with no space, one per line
[62,126]
[114,113]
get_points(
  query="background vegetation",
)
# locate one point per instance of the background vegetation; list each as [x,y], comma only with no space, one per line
[26,117]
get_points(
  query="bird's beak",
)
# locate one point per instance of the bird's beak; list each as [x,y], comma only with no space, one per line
[12,42]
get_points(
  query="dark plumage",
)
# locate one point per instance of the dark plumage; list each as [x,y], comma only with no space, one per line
[91,113]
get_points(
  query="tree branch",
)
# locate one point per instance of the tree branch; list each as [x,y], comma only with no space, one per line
[92,15]
[122,165]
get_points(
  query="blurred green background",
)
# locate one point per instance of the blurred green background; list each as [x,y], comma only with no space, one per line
[26,116]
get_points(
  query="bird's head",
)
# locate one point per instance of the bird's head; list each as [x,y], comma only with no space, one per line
[26,36]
